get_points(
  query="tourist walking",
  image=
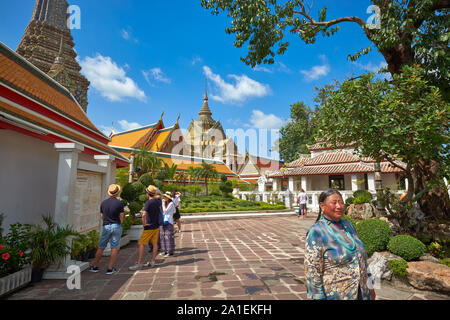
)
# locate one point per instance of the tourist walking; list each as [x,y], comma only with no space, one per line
[112,213]
[177,202]
[151,222]
[301,200]
[166,230]
[335,258]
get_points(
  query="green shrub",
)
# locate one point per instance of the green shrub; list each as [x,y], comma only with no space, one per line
[398,267]
[362,198]
[436,250]
[364,193]
[146,180]
[374,234]
[445,261]
[138,187]
[143,198]
[135,207]
[128,193]
[349,201]
[407,247]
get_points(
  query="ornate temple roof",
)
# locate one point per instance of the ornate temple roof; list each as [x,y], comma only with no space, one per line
[338,162]
[31,99]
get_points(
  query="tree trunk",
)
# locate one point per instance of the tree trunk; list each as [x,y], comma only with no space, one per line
[436,202]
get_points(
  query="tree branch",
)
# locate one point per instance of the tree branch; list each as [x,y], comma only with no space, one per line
[327,24]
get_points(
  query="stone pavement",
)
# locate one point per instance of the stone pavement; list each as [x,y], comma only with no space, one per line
[235,259]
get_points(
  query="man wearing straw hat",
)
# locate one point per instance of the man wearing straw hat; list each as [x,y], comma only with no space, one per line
[151,221]
[111,212]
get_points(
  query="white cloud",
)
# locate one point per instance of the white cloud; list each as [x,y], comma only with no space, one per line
[110,79]
[318,71]
[277,67]
[260,120]
[196,59]
[157,74]
[125,125]
[372,67]
[125,34]
[243,89]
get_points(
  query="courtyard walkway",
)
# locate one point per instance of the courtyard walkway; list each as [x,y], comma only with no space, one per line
[234,259]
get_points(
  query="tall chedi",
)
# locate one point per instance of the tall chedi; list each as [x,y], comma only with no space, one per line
[48,44]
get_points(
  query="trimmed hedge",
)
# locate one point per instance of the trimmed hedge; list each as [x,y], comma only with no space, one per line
[407,247]
[374,234]
[346,217]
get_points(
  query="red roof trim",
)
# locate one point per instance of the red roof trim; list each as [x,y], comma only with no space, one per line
[26,102]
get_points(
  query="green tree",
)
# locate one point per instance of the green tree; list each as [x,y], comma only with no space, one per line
[410,31]
[193,173]
[171,170]
[297,133]
[407,119]
[146,161]
[207,172]
[226,186]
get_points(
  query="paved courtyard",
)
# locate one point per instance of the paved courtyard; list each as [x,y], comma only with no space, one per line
[235,259]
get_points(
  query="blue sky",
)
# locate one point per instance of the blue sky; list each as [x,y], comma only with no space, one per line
[146,56]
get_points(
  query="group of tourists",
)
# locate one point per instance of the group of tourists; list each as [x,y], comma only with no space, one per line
[159,215]
[335,258]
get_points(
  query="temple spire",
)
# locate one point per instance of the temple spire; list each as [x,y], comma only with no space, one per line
[205,111]
[48,44]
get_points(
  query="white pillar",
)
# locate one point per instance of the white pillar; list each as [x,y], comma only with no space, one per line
[406,184]
[291,185]
[304,184]
[109,177]
[275,184]
[130,173]
[371,182]
[66,181]
[354,182]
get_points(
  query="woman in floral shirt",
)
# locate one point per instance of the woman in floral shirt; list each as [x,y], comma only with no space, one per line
[335,258]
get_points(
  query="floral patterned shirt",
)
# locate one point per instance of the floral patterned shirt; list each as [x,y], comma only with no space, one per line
[332,271]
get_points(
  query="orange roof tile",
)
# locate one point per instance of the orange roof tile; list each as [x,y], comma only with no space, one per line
[129,138]
[19,74]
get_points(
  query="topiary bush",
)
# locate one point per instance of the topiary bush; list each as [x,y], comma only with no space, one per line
[374,234]
[135,207]
[407,247]
[146,179]
[362,198]
[349,201]
[362,193]
[398,267]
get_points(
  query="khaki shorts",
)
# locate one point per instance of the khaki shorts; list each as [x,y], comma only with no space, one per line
[149,236]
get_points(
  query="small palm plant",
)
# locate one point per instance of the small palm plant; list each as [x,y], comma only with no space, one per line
[49,243]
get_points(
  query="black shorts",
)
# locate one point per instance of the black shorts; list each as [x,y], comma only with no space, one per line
[177,215]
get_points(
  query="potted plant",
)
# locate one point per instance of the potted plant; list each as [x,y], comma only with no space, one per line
[15,258]
[94,238]
[48,245]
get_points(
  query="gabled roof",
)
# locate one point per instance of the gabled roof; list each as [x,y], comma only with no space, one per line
[131,137]
[183,162]
[338,162]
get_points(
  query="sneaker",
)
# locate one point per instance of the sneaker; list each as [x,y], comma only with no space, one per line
[162,253]
[94,269]
[137,266]
[111,271]
[150,264]
[167,255]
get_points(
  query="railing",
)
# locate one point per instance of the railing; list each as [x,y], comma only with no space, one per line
[290,198]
